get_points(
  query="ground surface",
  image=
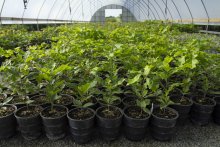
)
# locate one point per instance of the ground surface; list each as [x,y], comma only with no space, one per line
[186,136]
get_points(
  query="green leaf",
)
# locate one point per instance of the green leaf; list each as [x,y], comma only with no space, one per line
[83,89]
[147,69]
[194,63]
[87,105]
[166,63]
[61,69]
[134,80]
[7,100]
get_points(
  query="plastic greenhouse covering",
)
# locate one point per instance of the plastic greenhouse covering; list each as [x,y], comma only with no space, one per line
[50,11]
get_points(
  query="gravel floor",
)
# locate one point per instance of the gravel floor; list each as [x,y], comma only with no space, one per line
[189,135]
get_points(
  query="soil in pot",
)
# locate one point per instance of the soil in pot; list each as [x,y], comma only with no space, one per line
[182,106]
[163,122]
[81,121]
[216,113]
[40,100]
[65,100]
[7,121]
[202,110]
[29,122]
[109,119]
[55,121]
[135,123]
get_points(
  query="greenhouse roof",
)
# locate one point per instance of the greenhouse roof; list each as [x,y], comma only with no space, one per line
[50,11]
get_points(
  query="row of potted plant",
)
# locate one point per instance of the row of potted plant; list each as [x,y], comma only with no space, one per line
[83,120]
[148,69]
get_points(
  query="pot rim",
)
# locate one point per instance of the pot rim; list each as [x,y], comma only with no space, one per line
[177,114]
[39,96]
[55,117]
[205,104]
[149,114]
[67,95]
[72,110]
[15,113]
[108,118]
[191,102]
[10,113]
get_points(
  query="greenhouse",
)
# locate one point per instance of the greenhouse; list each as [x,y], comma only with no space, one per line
[109,73]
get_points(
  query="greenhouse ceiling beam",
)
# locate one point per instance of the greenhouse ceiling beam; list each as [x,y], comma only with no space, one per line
[39,13]
[189,10]
[167,8]
[142,9]
[1,11]
[121,5]
[160,9]
[145,13]
[51,9]
[207,27]
[129,6]
[153,8]
[177,11]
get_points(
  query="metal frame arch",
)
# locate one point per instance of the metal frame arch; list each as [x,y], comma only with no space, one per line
[207,27]
[177,10]
[153,8]
[3,4]
[160,9]
[189,10]
[168,10]
[148,7]
[138,4]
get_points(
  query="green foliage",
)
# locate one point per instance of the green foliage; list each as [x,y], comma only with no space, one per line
[85,94]
[152,57]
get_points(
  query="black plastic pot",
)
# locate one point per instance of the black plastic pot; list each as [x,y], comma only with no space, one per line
[109,128]
[135,129]
[8,124]
[202,114]
[163,129]
[216,113]
[30,127]
[55,128]
[81,130]
[183,111]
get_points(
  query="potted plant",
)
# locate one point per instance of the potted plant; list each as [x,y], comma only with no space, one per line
[7,119]
[136,117]
[54,116]
[16,79]
[182,99]
[163,120]
[82,118]
[109,117]
[203,106]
